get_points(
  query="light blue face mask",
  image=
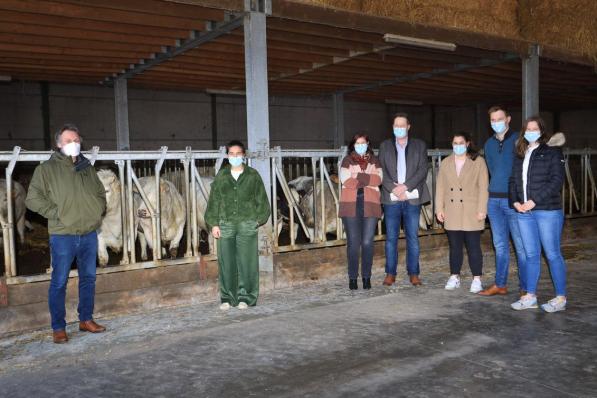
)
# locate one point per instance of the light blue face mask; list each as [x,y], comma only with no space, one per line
[400,132]
[498,126]
[360,149]
[459,149]
[235,161]
[531,136]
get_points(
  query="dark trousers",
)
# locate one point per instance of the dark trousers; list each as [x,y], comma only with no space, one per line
[238,262]
[360,231]
[64,249]
[472,241]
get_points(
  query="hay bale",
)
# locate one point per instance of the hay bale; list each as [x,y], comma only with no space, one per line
[566,24]
[569,25]
[494,17]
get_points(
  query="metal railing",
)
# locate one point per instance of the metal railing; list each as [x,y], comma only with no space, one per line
[315,211]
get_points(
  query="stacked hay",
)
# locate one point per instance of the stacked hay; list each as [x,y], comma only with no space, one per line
[494,17]
[570,25]
[566,24]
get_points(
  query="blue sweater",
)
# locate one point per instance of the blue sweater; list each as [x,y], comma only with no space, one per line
[499,156]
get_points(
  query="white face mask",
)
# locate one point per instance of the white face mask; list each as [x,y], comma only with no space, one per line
[72,149]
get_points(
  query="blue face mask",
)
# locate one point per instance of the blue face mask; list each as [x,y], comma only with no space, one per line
[400,132]
[498,126]
[360,149]
[459,149]
[235,161]
[531,136]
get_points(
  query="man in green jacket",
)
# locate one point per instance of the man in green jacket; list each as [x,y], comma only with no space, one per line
[237,206]
[67,191]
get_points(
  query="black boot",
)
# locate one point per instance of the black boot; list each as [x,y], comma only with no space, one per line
[366,283]
[352,284]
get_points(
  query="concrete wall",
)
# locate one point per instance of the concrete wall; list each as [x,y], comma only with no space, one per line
[180,119]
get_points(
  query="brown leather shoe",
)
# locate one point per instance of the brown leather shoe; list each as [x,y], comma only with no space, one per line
[415,280]
[493,290]
[60,336]
[389,280]
[91,326]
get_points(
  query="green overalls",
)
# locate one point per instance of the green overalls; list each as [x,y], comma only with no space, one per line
[238,207]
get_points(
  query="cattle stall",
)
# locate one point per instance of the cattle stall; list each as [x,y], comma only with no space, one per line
[304,196]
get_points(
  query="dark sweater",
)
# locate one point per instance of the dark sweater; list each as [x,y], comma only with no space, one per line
[499,156]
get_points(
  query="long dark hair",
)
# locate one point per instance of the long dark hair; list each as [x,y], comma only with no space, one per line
[522,144]
[354,140]
[471,149]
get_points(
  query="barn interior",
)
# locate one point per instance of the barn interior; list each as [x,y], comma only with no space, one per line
[303,75]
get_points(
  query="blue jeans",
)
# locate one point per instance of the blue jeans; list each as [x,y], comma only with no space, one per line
[543,228]
[504,222]
[64,249]
[393,214]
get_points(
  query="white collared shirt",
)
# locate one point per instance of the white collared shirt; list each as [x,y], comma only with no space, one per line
[525,169]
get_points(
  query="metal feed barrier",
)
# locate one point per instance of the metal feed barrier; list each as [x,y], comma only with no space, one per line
[318,165]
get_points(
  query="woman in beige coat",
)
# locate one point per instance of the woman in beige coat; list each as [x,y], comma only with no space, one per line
[461,205]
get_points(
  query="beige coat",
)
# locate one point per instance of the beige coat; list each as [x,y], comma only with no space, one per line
[462,197]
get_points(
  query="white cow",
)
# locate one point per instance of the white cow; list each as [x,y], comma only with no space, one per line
[172,209]
[18,198]
[202,208]
[301,189]
[109,233]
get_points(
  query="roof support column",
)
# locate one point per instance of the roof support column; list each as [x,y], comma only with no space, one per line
[338,107]
[258,115]
[121,111]
[530,82]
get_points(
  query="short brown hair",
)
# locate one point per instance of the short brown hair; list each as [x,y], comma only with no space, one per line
[401,114]
[354,139]
[496,108]
[522,144]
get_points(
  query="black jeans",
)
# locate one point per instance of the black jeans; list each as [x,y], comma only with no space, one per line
[472,241]
[360,231]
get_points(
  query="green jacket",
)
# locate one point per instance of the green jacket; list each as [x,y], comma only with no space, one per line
[72,201]
[233,200]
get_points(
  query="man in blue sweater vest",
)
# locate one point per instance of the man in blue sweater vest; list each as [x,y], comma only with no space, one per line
[499,155]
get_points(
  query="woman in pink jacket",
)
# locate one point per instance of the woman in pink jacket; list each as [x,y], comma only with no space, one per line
[360,207]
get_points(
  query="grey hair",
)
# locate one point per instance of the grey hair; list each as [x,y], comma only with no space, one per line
[67,126]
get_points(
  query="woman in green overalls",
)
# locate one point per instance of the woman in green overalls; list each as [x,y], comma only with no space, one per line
[237,206]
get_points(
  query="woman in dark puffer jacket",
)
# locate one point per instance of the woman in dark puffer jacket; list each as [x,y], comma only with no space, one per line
[535,192]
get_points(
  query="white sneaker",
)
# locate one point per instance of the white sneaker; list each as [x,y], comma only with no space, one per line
[476,286]
[242,305]
[225,306]
[453,282]
[525,303]
[554,305]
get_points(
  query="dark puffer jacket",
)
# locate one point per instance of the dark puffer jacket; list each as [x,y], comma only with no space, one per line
[545,176]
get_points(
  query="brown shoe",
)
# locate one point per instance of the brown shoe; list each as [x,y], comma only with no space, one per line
[60,336]
[493,290]
[91,326]
[389,280]
[415,280]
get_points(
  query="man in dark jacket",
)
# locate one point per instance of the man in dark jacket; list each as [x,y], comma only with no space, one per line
[499,155]
[404,189]
[67,191]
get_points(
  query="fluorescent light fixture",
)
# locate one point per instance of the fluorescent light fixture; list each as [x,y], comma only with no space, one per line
[416,42]
[225,92]
[403,102]
[5,78]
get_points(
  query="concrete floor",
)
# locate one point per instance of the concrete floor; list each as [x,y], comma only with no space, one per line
[323,341]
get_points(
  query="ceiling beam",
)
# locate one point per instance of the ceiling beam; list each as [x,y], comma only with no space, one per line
[436,72]
[218,29]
